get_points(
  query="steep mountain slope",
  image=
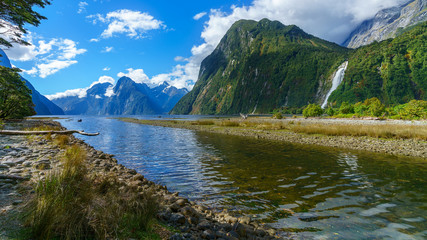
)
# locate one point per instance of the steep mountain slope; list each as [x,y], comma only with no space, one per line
[259,66]
[395,70]
[125,98]
[43,106]
[388,23]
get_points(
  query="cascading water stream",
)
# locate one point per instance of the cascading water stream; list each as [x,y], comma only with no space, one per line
[339,76]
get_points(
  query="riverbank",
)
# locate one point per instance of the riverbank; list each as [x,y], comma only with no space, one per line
[25,161]
[399,138]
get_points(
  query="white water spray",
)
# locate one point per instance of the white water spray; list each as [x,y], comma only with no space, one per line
[339,76]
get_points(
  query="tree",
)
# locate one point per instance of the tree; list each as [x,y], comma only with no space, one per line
[15,97]
[312,110]
[14,14]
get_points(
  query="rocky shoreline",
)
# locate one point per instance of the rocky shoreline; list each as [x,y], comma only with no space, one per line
[26,160]
[396,147]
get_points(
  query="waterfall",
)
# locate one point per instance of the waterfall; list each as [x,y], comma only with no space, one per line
[339,76]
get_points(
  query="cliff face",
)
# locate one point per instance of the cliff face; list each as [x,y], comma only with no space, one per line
[388,23]
[259,66]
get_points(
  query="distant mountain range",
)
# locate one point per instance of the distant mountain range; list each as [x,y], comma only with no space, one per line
[125,98]
[388,23]
[43,106]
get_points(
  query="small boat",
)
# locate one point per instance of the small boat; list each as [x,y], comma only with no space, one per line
[80,120]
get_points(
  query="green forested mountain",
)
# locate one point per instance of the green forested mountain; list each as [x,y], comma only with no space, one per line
[260,66]
[394,70]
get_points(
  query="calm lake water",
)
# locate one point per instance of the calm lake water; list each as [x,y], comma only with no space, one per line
[313,192]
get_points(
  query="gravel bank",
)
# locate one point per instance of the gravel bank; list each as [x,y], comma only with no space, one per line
[24,161]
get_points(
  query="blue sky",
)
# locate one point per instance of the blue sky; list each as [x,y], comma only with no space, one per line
[151,41]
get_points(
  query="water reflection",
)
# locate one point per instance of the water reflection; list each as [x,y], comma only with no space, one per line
[315,192]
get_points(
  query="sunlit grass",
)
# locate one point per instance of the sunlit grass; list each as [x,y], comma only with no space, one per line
[72,203]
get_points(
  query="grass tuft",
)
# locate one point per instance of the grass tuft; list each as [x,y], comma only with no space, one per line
[73,204]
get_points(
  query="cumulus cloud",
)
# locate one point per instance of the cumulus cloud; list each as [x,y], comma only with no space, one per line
[49,56]
[82,7]
[103,79]
[329,19]
[137,75]
[82,92]
[132,23]
[106,69]
[199,15]
[53,66]
[79,92]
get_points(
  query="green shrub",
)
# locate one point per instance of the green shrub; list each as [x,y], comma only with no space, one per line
[277,115]
[330,111]
[346,108]
[415,109]
[312,110]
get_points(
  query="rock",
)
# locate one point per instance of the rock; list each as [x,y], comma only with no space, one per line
[204,224]
[3,166]
[230,219]
[181,202]
[271,231]
[245,220]
[233,235]
[208,234]
[176,236]
[177,218]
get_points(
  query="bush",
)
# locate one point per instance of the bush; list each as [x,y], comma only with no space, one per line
[277,115]
[415,109]
[330,111]
[346,108]
[312,110]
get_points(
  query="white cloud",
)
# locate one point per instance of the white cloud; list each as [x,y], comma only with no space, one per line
[53,66]
[137,75]
[110,91]
[82,7]
[82,92]
[49,56]
[180,59]
[132,23]
[199,15]
[103,79]
[107,49]
[79,92]
[106,69]
[94,40]
[329,19]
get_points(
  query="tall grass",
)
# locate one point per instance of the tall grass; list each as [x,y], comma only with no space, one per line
[73,204]
[375,131]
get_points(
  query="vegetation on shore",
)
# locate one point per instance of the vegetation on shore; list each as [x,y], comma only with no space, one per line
[15,97]
[73,203]
[384,131]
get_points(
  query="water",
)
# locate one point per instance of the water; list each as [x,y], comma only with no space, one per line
[339,76]
[311,192]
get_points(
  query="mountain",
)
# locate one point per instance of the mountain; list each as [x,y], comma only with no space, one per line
[394,70]
[388,23]
[259,66]
[43,106]
[125,98]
